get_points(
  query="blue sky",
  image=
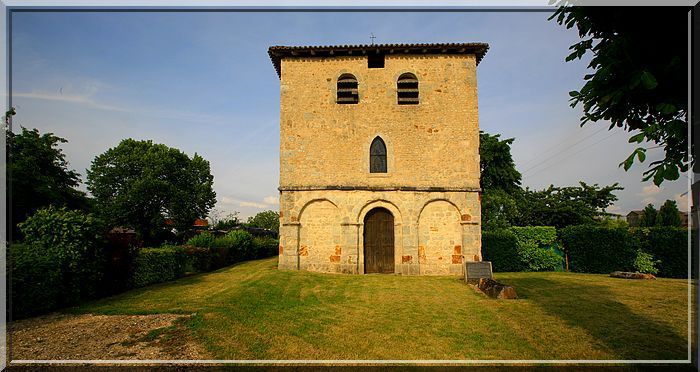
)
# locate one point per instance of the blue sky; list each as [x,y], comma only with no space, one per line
[202,82]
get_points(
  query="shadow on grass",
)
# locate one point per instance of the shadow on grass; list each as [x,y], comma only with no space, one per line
[616,327]
[106,305]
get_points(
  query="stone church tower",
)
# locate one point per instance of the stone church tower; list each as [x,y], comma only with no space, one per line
[379,158]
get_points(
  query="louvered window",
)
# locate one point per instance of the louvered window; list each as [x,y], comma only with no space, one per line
[347,89]
[377,156]
[407,89]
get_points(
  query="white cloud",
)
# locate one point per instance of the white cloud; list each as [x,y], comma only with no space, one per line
[71,98]
[614,209]
[681,201]
[252,204]
[650,190]
[271,200]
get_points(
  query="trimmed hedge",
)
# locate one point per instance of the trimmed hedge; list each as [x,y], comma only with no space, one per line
[600,250]
[529,248]
[595,249]
[156,265]
[669,245]
[36,281]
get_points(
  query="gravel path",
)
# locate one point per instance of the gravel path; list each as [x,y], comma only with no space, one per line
[91,337]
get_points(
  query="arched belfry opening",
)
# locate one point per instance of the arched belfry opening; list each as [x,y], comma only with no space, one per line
[379,241]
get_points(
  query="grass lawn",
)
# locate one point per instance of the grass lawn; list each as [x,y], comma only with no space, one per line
[254,311]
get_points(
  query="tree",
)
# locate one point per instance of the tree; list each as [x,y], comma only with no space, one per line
[668,215]
[38,176]
[565,206]
[500,181]
[225,223]
[497,165]
[644,93]
[648,217]
[140,184]
[267,220]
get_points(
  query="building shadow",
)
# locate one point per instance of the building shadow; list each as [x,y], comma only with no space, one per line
[615,326]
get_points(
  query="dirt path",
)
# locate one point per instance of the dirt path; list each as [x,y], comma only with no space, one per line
[91,337]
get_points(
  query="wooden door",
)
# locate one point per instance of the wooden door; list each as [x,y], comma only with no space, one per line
[379,241]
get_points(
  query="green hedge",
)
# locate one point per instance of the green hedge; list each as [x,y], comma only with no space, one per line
[668,245]
[36,282]
[156,265]
[595,249]
[265,246]
[530,248]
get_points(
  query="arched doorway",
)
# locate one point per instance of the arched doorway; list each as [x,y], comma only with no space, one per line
[379,241]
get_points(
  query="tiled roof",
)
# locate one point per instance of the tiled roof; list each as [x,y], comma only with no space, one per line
[278,52]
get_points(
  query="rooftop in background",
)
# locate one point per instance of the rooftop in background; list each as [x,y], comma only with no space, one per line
[278,52]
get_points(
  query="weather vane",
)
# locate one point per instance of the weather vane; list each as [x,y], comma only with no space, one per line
[372,37]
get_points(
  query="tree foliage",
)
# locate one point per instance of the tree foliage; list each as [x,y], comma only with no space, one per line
[648,217]
[267,220]
[565,206]
[668,215]
[497,165]
[641,91]
[500,181]
[139,184]
[38,175]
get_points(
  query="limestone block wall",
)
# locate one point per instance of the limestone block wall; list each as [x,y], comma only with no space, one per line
[322,230]
[433,143]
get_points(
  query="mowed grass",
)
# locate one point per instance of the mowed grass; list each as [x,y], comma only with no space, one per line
[254,311]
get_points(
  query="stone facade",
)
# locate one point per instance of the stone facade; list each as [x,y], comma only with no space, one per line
[431,186]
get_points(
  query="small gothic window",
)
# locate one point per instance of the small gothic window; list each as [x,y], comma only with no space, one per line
[407,89]
[377,156]
[347,89]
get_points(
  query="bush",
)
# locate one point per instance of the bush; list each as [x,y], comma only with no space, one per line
[204,240]
[235,246]
[645,263]
[265,246]
[531,248]
[75,242]
[35,281]
[667,244]
[199,259]
[500,247]
[156,265]
[595,249]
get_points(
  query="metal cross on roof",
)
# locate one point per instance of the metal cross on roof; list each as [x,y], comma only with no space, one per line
[372,37]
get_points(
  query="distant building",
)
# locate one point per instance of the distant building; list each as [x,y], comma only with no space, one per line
[634,217]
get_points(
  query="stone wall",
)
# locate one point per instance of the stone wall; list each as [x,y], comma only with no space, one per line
[323,230]
[432,180]
[434,143]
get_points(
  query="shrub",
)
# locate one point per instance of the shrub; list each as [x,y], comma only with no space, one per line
[75,241]
[500,247]
[595,249]
[531,248]
[237,245]
[537,247]
[645,263]
[199,259]
[35,280]
[204,240]
[156,265]
[265,246]
[667,244]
